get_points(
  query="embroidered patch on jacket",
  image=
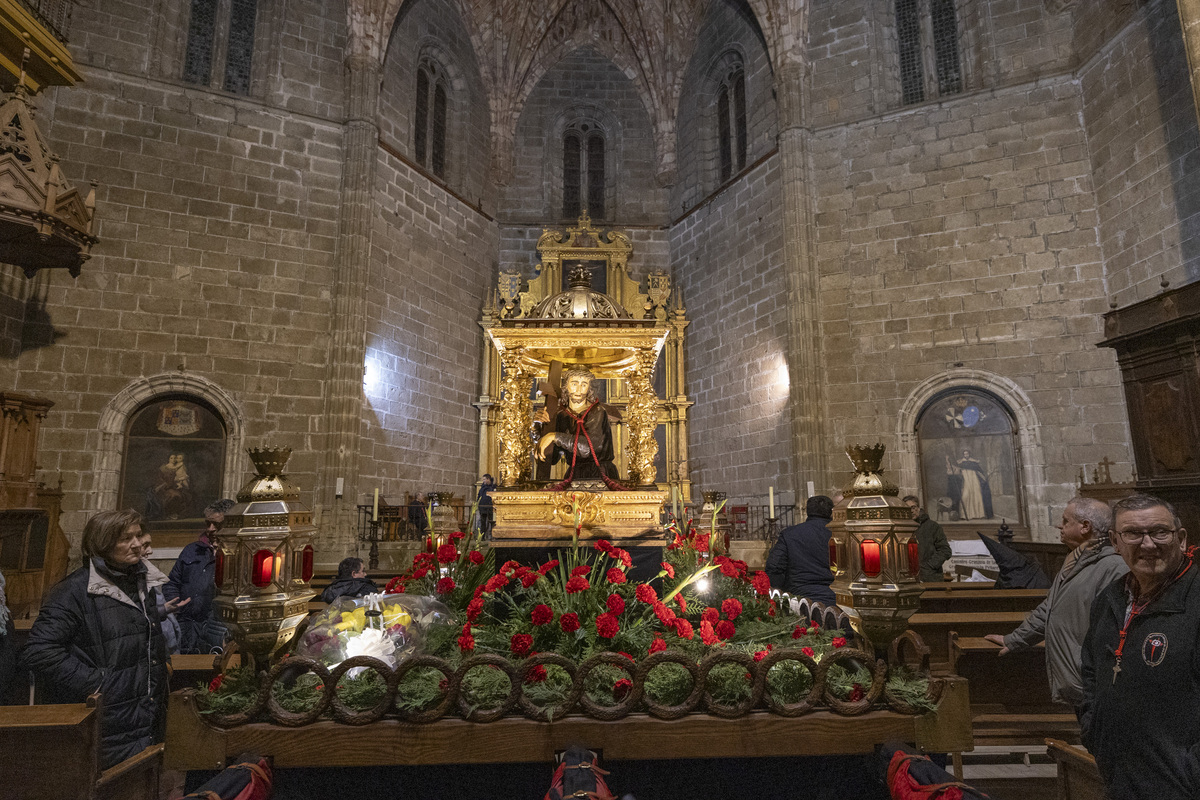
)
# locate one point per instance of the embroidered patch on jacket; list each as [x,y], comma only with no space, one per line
[1154,649]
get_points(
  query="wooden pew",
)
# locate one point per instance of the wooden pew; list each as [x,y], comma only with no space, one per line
[943,601]
[1078,778]
[52,751]
[935,629]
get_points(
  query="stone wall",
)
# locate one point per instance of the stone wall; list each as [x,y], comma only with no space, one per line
[432,259]
[217,217]
[1143,140]
[728,258]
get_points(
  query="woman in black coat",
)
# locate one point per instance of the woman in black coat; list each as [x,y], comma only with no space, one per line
[99,631]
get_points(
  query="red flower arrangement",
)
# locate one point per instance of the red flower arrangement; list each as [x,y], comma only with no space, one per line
[615,603]
[607,625]
[542,614]
[615,575]
[569,622]
[577,584]
[520,644]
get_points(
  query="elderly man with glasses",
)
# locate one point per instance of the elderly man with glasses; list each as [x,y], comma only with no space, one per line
[1141,661]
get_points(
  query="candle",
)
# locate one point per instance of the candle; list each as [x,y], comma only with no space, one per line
[812,489]
[375,508]
[675,500]
[771,501]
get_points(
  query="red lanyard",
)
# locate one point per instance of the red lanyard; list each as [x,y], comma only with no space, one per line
[1136,608]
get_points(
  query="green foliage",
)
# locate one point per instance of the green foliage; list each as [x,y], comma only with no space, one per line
[551,692]
[729,684]
[908,686]
[842,683]
[789,682]
[300,695]
[668,684]
[419,689]
[601,684]
[237,690]
[363,691]
[484,687]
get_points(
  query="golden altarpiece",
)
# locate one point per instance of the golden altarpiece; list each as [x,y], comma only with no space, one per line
[631,340]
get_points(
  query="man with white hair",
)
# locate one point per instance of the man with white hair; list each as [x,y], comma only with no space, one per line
[1062,618]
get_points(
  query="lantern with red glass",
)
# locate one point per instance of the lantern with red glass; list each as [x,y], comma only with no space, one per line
[265,558]
[875,537]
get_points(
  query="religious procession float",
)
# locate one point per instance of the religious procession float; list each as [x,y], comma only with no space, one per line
[582,619]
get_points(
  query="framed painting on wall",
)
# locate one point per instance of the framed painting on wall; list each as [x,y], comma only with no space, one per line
[969,461]
[174,460]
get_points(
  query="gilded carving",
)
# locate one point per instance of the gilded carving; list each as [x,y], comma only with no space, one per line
[588,505]
[643,418]
[516,416]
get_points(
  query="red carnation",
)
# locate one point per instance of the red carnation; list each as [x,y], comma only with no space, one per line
[665,615]
[615,603]
[731,607]
[549,565]
[657,645]
[475,595]
[582,569]
[507,565]
[216,682]
[799,631]
[621,688]
[495,582]
[603,545]
[445,586]
[808,651]
[466,641]
[536,674]
[622,556]
[457,535]
[420,573]
[683,629]
[606,625]
[710,614]
[761,654]
[476,557]
[394,586]
[761,583]
[569,622]
[667,568]
[682,603]
[447,553]
[615,575]
[707,635]
[701,542]
[815,626]
[645,592]
[771,608]
[542,614]
[727,567]
[424,559]
[474,609]
[520,644]
[856,693]
[725,629]
[839,641]
[529,578]
[577,584]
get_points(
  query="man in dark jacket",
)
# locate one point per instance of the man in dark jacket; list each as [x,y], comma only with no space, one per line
[932,548]
[1141,661]
[351,581]
[799,562]
[192,577]
[98,631]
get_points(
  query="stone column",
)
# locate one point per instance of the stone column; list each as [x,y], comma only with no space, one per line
[1189,21]
[643,418]
[807,401]
[516,419]
[344,384]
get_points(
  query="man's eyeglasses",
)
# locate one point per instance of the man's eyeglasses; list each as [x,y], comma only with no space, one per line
[1157,535]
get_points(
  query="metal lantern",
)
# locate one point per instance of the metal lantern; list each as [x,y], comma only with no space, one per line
[265,558]
[873,550]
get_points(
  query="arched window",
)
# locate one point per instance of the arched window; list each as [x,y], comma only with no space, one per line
[584,175]
[928,42]
[969,459]
[731,122]
[174,463]
[228,41]
[429,117]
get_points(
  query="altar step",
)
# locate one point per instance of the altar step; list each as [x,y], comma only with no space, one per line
[1012,771]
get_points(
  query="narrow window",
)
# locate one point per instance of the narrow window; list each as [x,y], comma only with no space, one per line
[945,46]
[197,61]
[908,32]
[739,117]
[595,175]
[438,161]
[421,123]
[723,137]
[241,46]
[572,179]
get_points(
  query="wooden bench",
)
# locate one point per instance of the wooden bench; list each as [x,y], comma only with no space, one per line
[1078,778]
[51,751]
[935,628]
[939,601]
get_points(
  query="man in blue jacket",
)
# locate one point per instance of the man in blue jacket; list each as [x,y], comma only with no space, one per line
[799,562]
[191,579]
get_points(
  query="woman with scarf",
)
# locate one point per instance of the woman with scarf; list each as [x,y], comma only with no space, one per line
[99,631]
